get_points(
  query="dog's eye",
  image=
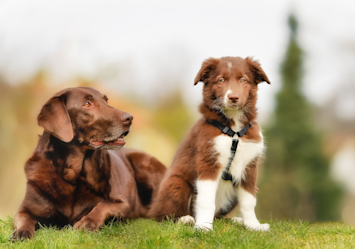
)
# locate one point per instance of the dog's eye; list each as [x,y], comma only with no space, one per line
[87,104]
[221,80]
[243,80]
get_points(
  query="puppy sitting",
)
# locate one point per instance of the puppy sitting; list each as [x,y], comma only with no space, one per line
[74,176]
[206,179]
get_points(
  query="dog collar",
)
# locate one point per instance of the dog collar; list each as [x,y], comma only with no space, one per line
[228,131]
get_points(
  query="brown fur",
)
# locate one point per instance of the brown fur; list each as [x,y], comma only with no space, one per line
[196,157]
[72,177]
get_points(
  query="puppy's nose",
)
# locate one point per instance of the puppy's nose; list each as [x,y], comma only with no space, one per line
[233,97]
[127,119]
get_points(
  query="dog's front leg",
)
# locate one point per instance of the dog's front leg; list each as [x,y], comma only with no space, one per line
[247,203]
[205,206]
[246,193]
[24,226]
[101,212]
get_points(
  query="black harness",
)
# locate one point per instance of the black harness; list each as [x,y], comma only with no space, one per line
[228,131]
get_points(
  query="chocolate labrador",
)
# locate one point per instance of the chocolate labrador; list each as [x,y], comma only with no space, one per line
[78,174]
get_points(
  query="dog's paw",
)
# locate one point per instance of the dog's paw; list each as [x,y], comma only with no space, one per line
[237,220]
[206,227]
[88,224]
[21,235]
[257,227]
[252,226]
[187,219]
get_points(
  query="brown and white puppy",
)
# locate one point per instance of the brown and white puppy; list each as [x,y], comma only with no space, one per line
[192,188]
[74,175]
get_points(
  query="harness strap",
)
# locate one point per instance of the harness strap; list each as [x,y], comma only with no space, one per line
[225,129]
[228,131]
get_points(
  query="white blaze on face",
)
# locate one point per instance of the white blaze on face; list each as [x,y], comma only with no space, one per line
[226,98]
[229,65]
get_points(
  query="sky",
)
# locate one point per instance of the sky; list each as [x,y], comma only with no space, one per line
[151,48]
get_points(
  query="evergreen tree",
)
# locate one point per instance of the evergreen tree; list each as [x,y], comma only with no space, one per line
[296,181]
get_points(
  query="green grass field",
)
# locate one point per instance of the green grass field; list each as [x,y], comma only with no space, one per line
[150,234]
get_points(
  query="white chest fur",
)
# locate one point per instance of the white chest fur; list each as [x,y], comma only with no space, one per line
[246,152]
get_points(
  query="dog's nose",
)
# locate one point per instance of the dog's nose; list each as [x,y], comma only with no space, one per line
[127,119]
[233,97]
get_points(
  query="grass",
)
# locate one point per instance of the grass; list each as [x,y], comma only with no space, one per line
[150,234]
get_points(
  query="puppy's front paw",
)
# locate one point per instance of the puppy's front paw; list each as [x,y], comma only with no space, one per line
[206,227]
[187,219]
[87,223]
[257,226]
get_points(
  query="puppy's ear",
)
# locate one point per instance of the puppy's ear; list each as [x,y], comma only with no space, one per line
[207,66]
[54,118]
[259,74]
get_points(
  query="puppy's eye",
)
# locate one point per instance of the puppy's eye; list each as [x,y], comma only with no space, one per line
[243,80]
[221,80]
[87,104]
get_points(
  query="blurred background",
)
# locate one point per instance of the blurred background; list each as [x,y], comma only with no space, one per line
[145,54]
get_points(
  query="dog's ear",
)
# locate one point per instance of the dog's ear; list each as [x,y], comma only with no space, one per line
[207,66]
[255,68]
[54,118]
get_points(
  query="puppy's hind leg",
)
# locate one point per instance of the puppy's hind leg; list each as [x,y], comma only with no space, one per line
[187,219]
[173,199]
[232,215]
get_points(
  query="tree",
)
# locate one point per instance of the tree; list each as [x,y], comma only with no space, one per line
[296,181]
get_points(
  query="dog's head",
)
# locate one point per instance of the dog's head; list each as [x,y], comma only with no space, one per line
[82,116]
[230,83]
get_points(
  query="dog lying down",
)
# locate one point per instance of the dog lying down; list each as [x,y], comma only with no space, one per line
[215,167]
[79,174]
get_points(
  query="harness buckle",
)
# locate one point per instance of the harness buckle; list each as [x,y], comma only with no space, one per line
[225,129]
